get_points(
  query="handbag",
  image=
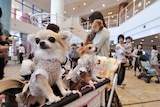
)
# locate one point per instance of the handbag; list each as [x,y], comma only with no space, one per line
[125,62]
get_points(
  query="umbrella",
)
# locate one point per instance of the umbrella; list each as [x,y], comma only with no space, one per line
[76,29]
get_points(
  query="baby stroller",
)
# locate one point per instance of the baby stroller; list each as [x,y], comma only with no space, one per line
[147,70]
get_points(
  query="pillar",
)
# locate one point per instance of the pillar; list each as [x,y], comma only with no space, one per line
[57,11]
[6,14]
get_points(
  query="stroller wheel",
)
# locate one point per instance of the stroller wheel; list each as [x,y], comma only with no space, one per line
[139,76]
[147,80]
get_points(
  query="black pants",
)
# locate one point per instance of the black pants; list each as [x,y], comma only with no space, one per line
[121,74]
[1,67]
[136,65]
[20,57]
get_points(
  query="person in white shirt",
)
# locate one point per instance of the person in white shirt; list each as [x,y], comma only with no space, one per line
[101,39]
[121,55]
[138,52]
[21,50]
[128,46]
[154,60]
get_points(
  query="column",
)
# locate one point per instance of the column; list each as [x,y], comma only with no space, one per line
[6,14]
[57,11]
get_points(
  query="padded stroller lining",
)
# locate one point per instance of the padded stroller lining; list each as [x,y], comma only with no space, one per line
[148,67]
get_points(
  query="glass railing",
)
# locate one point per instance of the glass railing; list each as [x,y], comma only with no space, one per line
[22,10]
[129,11]
[133,8]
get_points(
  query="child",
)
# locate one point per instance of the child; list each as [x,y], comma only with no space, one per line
[128,48]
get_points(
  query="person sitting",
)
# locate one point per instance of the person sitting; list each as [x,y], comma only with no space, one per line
[73,56]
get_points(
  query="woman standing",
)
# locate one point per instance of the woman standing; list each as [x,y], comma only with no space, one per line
[101,38]
[138,52]
[121,55]
[154,59]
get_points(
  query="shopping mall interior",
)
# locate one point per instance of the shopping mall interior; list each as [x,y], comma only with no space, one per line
[138,19]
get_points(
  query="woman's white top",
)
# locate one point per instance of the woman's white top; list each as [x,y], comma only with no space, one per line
[154,58]
[119,50]
[102,42]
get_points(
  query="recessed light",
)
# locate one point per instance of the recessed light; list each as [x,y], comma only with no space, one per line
[156,36]
[65,12]
[151,40]
[132,41]
[103,5]
[74,8]
[142,40]
[92,10]
[109,13]
[84,4]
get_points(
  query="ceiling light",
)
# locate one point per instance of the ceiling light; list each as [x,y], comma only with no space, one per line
[132,41]
[109,13]
[142,40]
[151,40]
[103,5]
[65,12]
[117,0]
[74,8]
[139,4]
[156,37]
[92,10]
[84,4]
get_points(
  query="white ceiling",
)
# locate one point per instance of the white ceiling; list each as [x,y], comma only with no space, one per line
[80,9]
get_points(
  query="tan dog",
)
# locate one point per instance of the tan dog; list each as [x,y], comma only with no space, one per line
[97,26]
[84,69]
[49,53]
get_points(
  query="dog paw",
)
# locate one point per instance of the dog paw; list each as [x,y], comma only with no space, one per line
[92,82]
[54,99]
[101,80]
[66,93]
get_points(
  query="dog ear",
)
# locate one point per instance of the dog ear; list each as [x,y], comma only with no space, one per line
[31,38]
[65,36]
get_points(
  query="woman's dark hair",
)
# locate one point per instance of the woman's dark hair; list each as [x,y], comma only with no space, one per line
[1,33]
[128,37]
[96,15]
[53,27]
[120,36]
[154,47]
[0,12]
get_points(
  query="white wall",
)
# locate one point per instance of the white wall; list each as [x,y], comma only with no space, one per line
[150,18]
[23,27]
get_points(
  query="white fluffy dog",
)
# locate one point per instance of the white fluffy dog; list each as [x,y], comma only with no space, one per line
[49,53]
[84,69]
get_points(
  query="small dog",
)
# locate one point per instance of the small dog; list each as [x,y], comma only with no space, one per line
[49,52]
[97,26]
[84,69]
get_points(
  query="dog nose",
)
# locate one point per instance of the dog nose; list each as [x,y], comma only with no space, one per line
[42,43]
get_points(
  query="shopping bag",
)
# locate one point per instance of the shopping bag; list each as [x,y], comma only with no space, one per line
[106,66]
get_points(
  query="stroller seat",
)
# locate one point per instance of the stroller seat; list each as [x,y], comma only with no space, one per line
[147,70]
[147,66]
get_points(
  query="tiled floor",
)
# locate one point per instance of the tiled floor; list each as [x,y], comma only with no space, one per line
[137,93]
